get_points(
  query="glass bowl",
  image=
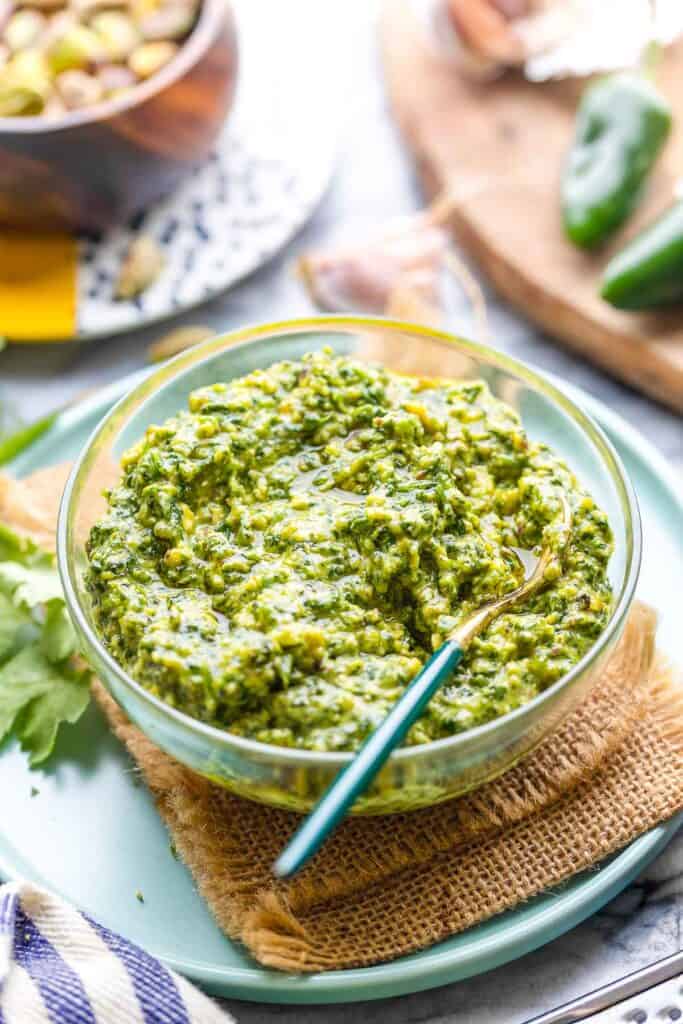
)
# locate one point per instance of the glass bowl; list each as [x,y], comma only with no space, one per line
[414,776]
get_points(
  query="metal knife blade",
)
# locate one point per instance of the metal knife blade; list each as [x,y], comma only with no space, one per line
[654,993]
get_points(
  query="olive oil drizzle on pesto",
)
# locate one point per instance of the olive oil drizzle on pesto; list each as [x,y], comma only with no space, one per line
[281,559]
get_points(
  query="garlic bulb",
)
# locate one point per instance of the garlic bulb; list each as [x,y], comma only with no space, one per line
[548,38]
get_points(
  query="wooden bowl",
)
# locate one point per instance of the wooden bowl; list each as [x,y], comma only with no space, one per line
[101,165]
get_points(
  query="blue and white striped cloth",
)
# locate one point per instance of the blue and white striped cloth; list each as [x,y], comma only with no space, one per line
[58,966]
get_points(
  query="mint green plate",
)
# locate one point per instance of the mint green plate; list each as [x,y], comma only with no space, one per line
[92,834]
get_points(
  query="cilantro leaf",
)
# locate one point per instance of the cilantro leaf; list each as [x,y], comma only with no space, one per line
[36,696]
[65,701]
[21,680]
[13,622]
[58,640]
[16,547]
[29,586]
[40,684]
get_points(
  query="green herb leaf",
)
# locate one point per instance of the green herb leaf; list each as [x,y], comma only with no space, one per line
[58,640]
[15,443]
[22,679]
[29,586]
[65,701]
[40,686]
[15,547]
[12,624]
[36,696]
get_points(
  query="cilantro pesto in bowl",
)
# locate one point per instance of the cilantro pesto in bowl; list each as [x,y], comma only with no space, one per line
[296,527]
[281,558]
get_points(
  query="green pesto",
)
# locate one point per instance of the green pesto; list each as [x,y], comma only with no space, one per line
[281,559]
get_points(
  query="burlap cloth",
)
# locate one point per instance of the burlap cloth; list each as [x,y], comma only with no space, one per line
[382,887]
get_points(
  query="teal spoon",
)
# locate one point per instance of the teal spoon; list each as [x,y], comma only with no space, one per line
[359,773]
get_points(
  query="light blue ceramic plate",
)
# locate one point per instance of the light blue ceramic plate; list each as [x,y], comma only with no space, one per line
[92,833]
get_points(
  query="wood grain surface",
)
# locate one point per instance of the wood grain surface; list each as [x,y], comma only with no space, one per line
[499,147]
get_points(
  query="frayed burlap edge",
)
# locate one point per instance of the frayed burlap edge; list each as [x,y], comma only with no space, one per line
[235,869]
[229,843]
[639,785]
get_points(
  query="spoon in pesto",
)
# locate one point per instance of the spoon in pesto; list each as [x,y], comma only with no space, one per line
[359,773]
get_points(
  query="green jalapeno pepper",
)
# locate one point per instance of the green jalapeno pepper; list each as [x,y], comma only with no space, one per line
[648,272]
[621,126]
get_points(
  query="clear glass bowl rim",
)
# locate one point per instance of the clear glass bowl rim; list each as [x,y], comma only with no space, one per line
[242,337]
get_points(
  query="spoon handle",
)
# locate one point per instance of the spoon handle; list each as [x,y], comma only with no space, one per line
[356,777]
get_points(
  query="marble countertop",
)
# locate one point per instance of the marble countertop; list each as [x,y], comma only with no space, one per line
[373,182]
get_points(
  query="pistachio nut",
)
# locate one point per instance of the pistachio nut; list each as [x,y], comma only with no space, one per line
[77,47]
[55,106]
[17,97]
[149,58]
[169,21]
[85,9]
[111,44]
[32,70]
[78,89]
[115,77]
[141,267]
[24,29]
[117,33]
[57,25]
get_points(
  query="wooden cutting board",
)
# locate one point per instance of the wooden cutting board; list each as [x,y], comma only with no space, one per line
[500,147]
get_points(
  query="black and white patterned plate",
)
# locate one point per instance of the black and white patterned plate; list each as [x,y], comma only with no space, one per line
[261,183]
